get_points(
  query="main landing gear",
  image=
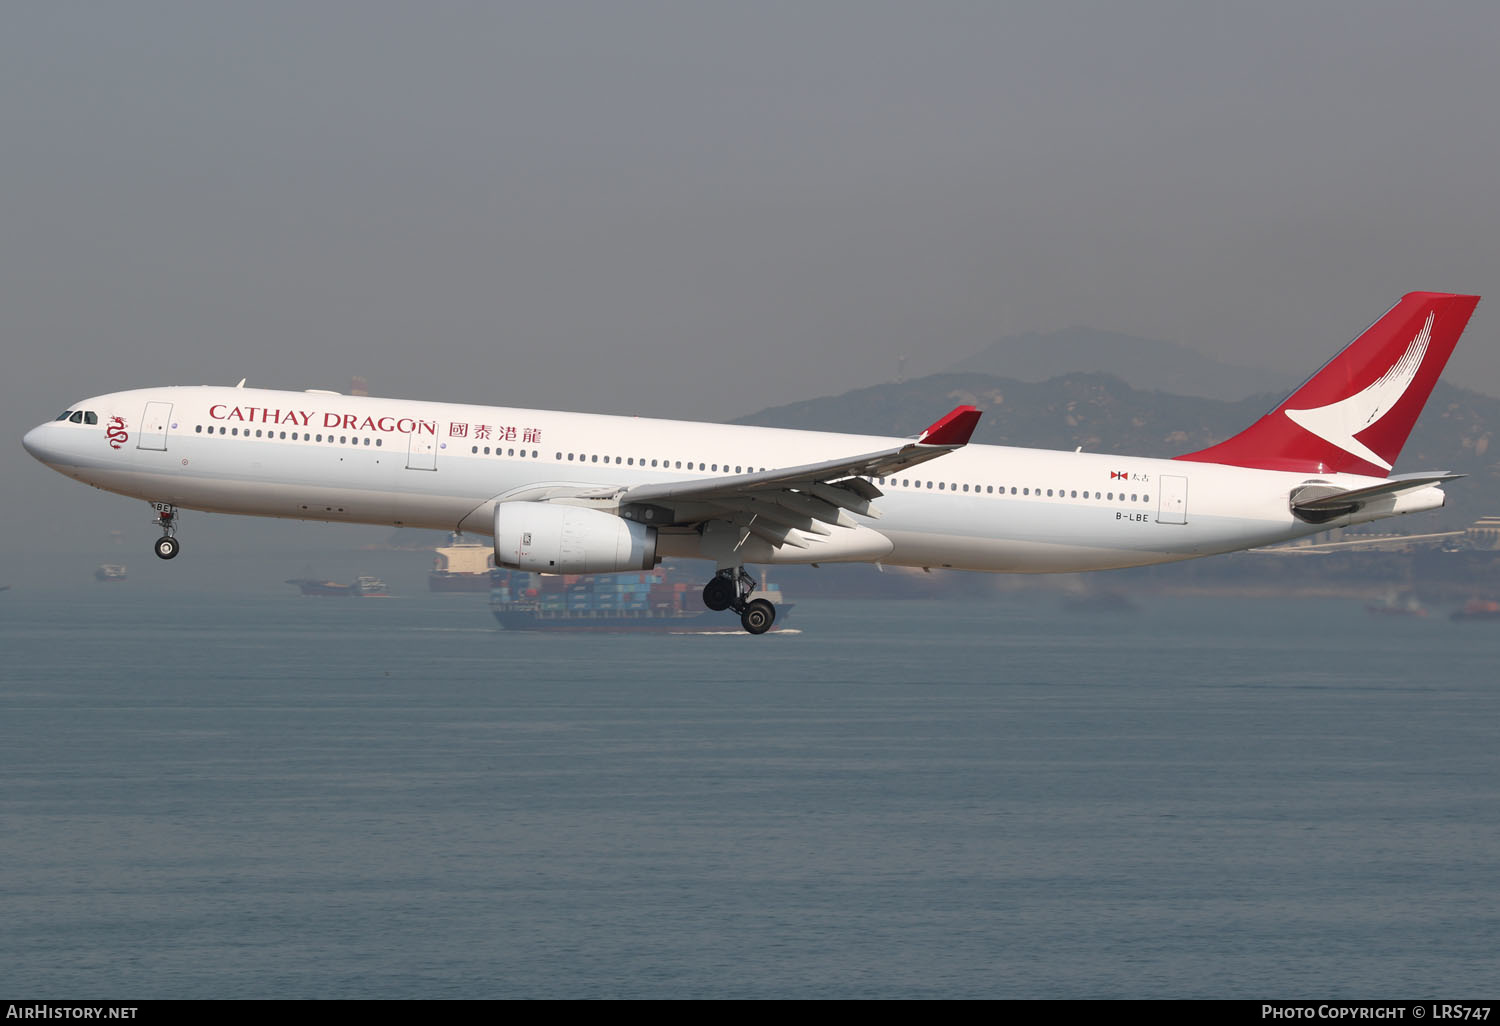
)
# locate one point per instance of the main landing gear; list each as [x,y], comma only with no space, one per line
[731,588]
[166,519]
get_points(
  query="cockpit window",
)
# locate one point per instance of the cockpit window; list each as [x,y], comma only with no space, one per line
[65,414]
[90,417]
[77,417]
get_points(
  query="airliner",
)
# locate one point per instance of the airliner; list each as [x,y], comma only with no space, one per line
[580,493]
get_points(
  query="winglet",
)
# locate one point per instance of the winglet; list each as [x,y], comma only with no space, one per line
[953,429]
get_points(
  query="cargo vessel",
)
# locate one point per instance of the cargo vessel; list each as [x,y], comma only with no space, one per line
[363,587]
[650,601]
[461,566]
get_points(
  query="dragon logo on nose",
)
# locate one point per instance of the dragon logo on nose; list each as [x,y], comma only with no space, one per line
[116,432]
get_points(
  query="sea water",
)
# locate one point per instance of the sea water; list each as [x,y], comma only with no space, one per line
[269,796]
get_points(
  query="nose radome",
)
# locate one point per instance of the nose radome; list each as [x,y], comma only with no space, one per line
[35,442]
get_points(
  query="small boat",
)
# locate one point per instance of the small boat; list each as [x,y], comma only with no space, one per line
[1478,609]
[109,572]
[1395,605]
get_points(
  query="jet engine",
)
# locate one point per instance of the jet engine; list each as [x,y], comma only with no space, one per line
[555,539]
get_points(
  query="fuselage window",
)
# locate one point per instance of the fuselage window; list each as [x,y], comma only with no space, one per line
[1075,494]
[367,441]
[1145,498]
[1133,498]
[1024,491]
[929,484]
[199,429]
[570,457]
[596,459]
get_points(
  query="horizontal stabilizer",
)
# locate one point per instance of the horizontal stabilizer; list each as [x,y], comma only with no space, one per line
[1358,496]
[1319,503]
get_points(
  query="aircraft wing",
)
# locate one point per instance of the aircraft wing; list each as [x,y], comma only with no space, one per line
[775,504]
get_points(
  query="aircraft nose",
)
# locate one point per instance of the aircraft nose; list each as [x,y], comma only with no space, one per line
[35,442]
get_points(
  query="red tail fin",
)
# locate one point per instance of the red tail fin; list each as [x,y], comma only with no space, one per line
[1354,415]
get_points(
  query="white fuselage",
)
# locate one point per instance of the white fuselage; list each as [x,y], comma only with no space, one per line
[320,456]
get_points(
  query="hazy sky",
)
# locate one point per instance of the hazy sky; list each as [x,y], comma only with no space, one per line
[701,209]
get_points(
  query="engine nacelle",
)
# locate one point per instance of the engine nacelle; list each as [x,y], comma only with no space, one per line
[553,539]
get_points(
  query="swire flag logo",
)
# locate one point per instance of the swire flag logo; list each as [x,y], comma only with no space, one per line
[1119,475]
[116,432]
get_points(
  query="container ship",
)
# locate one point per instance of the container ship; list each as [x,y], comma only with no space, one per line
[650,601]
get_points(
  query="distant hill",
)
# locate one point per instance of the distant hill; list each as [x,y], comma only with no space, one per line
[1102,413]
[1142,363]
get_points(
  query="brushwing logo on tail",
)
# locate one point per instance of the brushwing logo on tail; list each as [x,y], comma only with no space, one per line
[1339,422]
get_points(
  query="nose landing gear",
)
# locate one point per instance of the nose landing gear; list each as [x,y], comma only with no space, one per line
[166,519]
[731,588]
